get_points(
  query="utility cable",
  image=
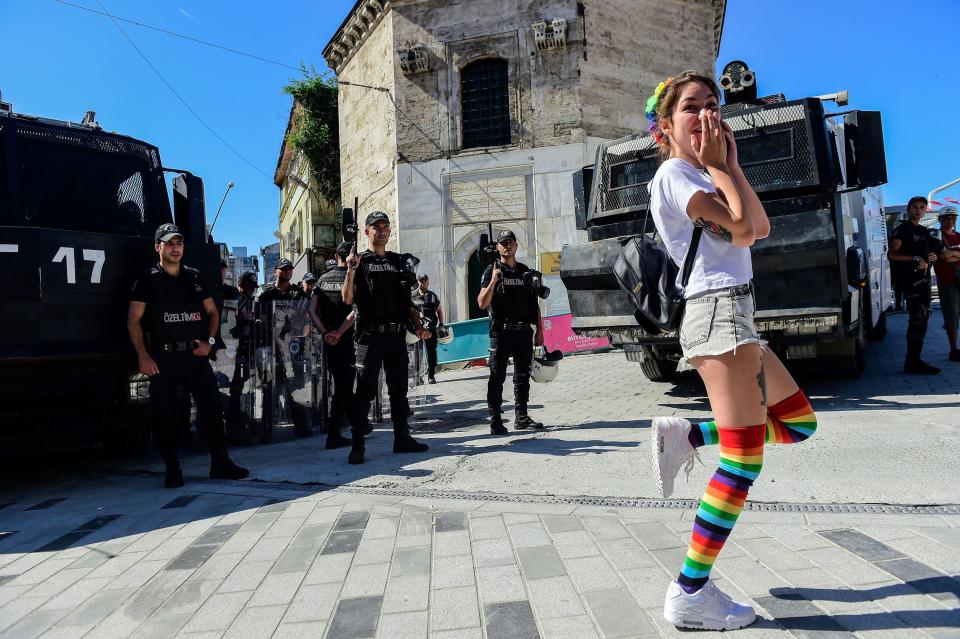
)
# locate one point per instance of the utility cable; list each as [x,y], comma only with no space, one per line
[179,97]
[178,35]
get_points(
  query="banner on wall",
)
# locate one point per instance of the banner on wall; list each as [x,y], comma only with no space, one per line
[557,303]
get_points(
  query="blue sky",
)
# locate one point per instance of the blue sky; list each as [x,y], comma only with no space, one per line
[60,61]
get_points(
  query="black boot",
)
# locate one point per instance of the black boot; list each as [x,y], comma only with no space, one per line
[496,425]
[336,440]
[407,444]
[916,366]
[524,421]
[954,355]
[174,476]
[356,456]
[222,467]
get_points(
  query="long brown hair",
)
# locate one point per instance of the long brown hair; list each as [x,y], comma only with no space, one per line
[669,98]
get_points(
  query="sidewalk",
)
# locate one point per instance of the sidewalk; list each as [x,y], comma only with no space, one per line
[117,556]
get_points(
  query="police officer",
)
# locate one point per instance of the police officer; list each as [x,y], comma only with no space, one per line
[280,290]
[431,315]
[915,247]
[334,320]
[379,284]
[308,283]
[182,321]
[243,332]
[514,310]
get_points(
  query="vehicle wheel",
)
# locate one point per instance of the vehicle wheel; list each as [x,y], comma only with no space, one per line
[659,370]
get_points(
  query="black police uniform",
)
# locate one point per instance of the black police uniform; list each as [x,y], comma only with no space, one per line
[174,318]
[341,357]
[382,288]
[916,241]
[428,303]
[263,302]
[513,311]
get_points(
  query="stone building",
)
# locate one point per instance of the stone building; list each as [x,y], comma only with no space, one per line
[459,113]
[307,221]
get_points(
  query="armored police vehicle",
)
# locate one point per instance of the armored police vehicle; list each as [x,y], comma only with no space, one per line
[78,210]
[822,280]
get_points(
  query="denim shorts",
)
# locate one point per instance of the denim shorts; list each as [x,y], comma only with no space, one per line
[717,322]
[950,304]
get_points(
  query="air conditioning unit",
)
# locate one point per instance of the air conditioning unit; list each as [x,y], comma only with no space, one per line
[414,59]
[550,35]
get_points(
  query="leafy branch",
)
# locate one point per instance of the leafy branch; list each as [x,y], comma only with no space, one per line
[315,130]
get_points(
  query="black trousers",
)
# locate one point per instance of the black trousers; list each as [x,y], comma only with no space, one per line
[241,373]
[431,345]
[374,350]
[918,307]
[194,373]
[503,344]
[340,360]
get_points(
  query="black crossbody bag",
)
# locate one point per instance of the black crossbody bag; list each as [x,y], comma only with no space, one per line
[648,276]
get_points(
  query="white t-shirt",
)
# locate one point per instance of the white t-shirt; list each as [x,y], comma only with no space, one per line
[719,264]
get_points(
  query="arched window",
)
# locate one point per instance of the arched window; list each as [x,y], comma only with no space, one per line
[485,95]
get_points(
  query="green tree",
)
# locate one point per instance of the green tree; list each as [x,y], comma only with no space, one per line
[315,131]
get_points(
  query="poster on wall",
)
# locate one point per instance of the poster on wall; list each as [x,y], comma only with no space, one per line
[557,303]
[558,334]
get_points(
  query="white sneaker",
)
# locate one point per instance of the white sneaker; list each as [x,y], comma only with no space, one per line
[671,450]
[707,609]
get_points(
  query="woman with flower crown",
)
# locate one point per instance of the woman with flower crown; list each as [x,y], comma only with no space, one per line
[753,398]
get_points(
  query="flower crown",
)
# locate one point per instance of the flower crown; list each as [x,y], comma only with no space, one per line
[651,110]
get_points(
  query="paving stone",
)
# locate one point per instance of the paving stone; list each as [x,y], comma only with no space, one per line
[846,566]
[277,589]
[355,618]
[747,574]
[510,620]
[569,628]
[192,558]
[452,572]
[655,536]
[450,521]
[773,554]
[162,626]
[618,614]
[246,576]
[356,520]
[500,583]
[218,612]
[460,633]
[374,551]
[217,567]
[540,562]
[95,608]
[625,554]
[575,543]
[556,597]
[366,581]
[406,593]
[493,552]
[529,535]
[922,577]
[68,632]
[328,569]
[561,523]
[491,527]
[861,545]
[301,630]
[33,624]
[404,625]
[268,549]
[605,528]
[313,603]
[454,608]
[451,543]
[802,618]
[295,559]
[342,542]
[255,622]
[411,561]
[416,522]
[162,586]
[593,573]
[382,528]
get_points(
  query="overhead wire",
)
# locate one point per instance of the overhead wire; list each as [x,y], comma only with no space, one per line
[178,35]
[180,98]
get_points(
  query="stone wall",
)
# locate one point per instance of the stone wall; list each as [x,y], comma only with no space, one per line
[543,84]
[631,46]
[368,140]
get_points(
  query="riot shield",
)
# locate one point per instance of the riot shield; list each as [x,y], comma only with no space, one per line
[289,366]
[416,369]
[232,369]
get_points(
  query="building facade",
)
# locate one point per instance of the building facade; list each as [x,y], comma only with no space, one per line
[307,223]
[459,114]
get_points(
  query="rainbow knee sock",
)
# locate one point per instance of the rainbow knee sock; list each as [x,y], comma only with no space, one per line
[741,458]
[788,422]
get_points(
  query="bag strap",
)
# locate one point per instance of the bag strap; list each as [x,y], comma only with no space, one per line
[691,254]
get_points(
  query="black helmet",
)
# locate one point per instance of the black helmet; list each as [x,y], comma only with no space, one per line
[248,277]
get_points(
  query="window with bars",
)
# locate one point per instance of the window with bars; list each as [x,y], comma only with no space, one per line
[485,95]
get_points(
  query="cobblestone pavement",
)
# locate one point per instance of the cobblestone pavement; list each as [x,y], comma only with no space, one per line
[547,535]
